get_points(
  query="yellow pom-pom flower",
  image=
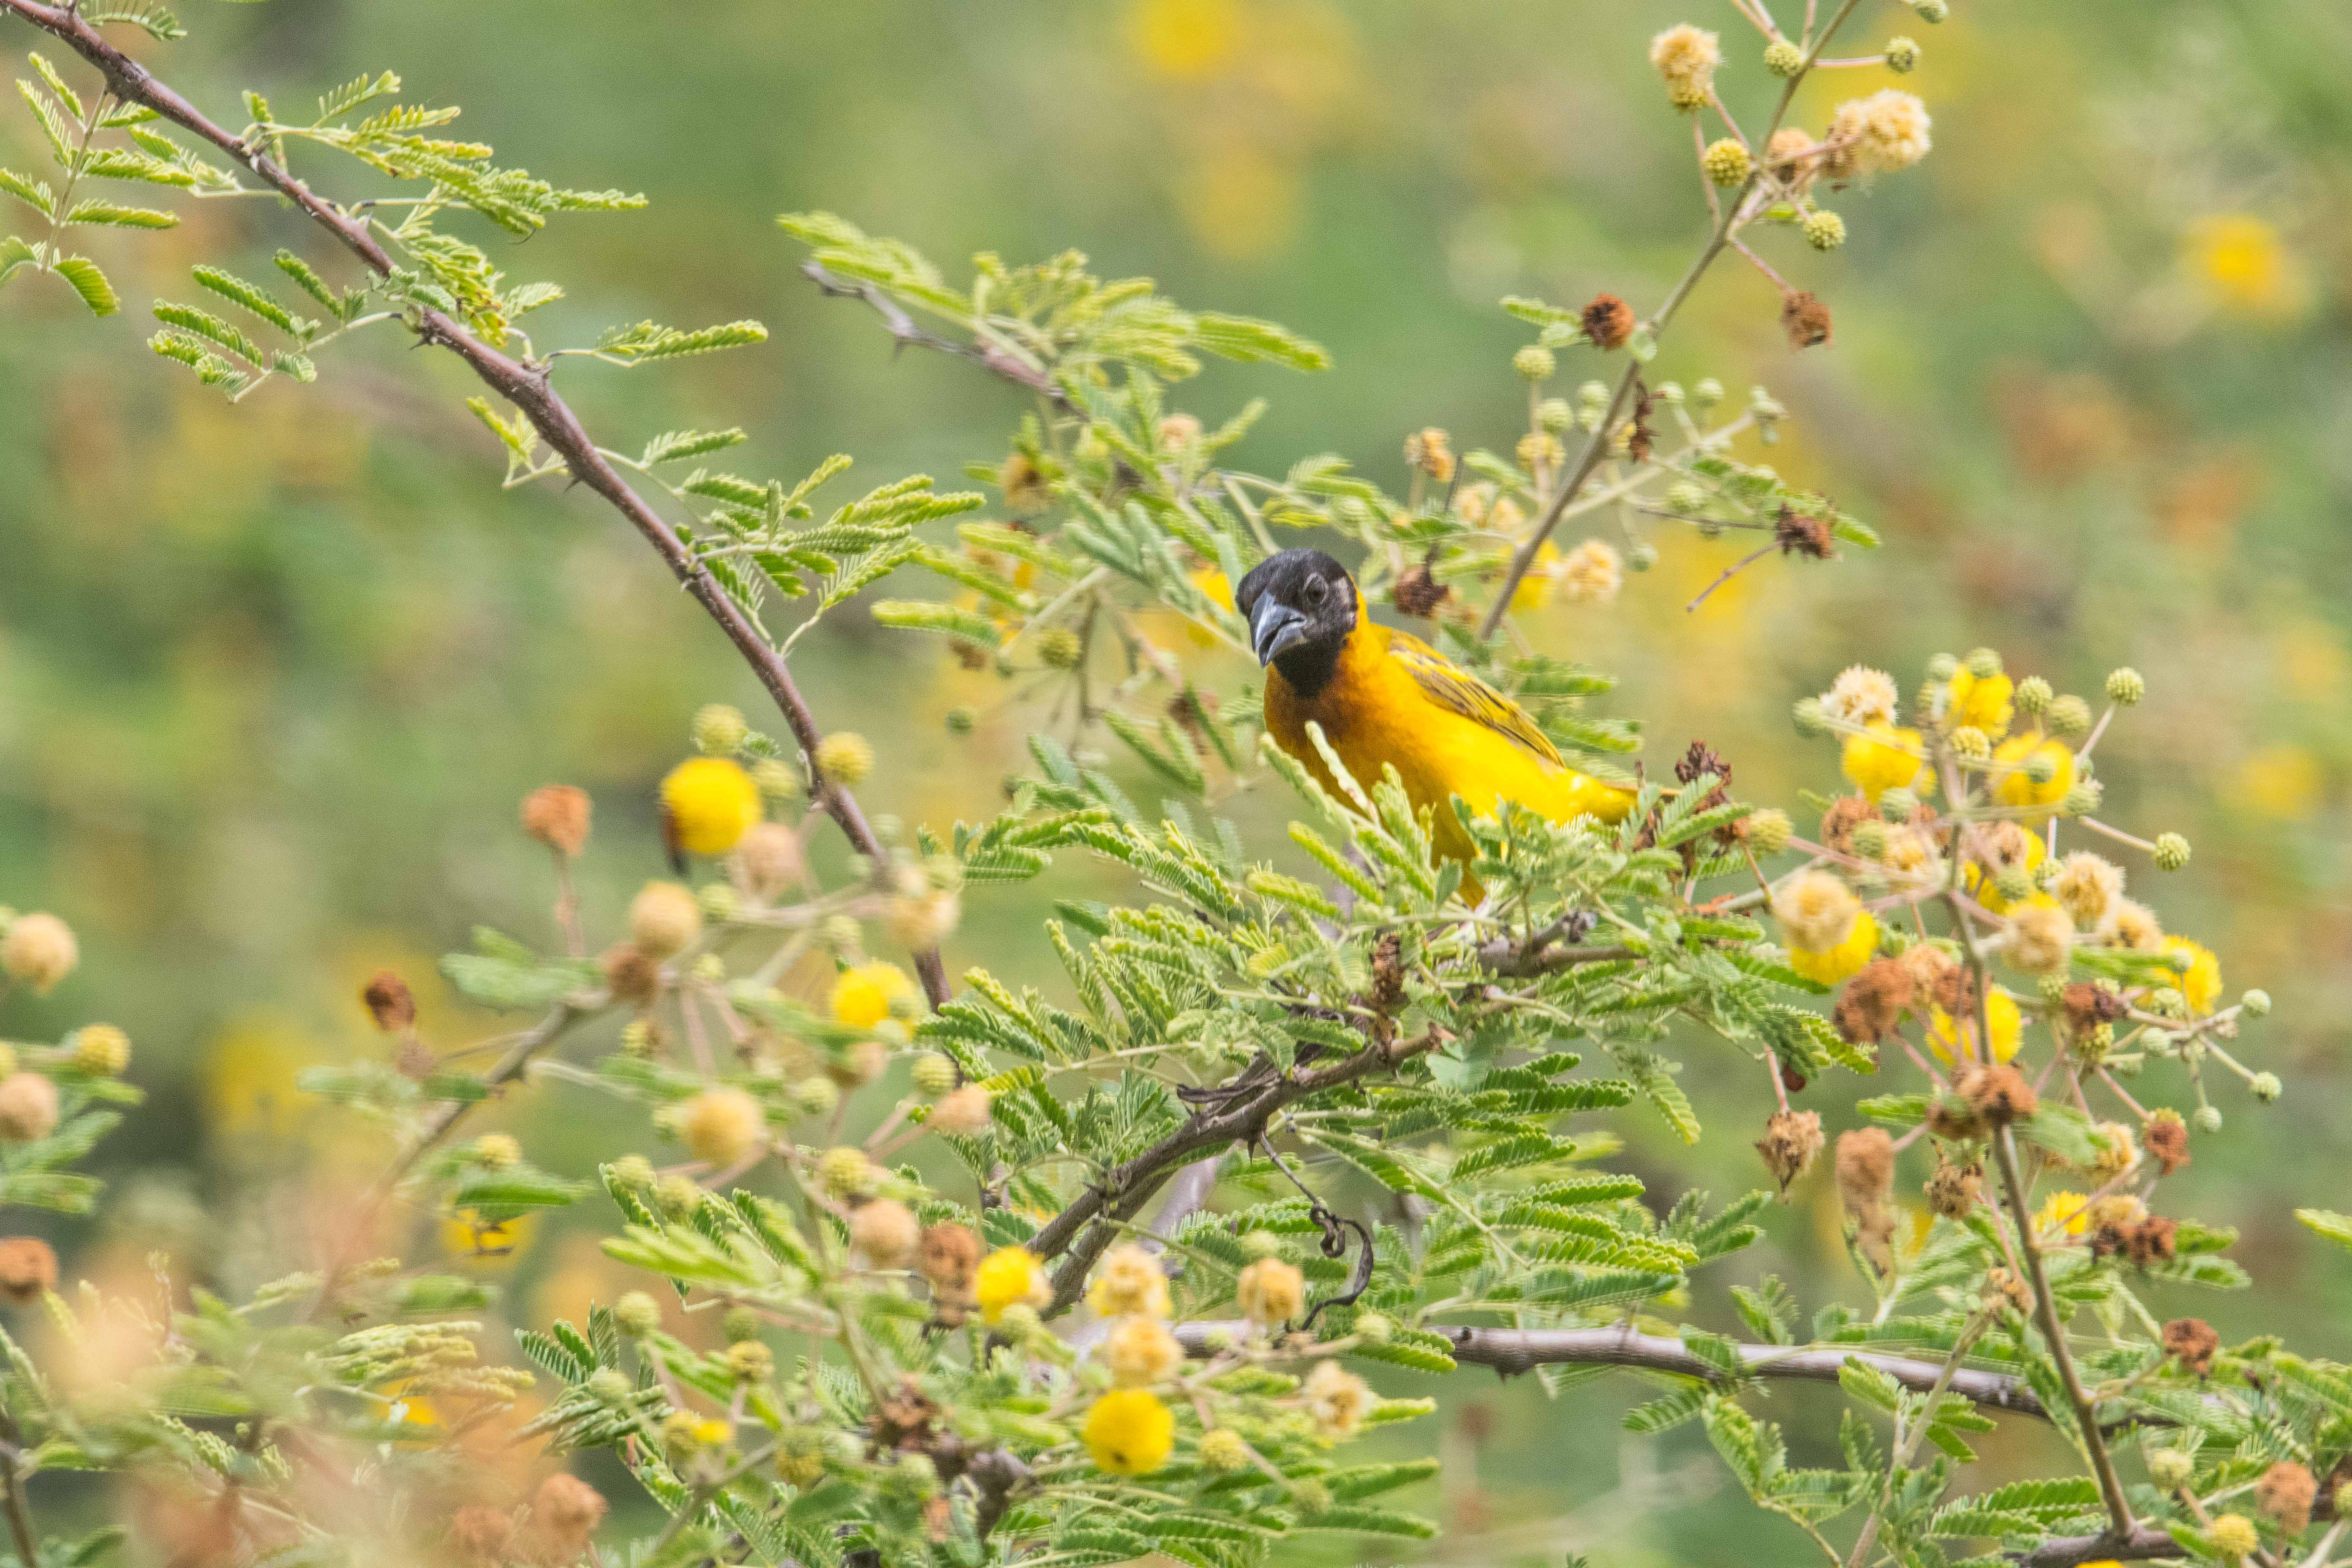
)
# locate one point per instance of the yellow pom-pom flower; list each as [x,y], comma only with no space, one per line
[1011,1277]
[862,996]
[2063,1211]
[2202,985]
[1843,959]
[711,803]
[2001,1010]
[1130,1433]
[1886,756]
[2018,787]
[1985,701]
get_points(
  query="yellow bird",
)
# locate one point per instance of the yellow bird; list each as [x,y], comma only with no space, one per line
[1388,700]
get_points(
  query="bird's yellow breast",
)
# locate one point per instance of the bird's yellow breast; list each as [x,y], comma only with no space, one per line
[1376,714]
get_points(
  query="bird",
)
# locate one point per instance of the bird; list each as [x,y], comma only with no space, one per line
[1385,698]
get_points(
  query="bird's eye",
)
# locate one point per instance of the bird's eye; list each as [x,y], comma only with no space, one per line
[1318,590]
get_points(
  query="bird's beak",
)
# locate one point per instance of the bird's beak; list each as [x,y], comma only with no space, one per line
[1274,628]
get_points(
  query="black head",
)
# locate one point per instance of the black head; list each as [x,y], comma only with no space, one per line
[1300,607]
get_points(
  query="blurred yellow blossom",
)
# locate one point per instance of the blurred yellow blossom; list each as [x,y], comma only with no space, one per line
[862,996]
[1185,38]
[2063,1211]
[1130,1433]
[2244,265]
[1944,1036]
[1239,199]
[495,1243]
[1884,757]
[1981,700]
[250,1079]
[2202,985]
[711,803]
[2281,781]
[1218,589]
[1535,589]
[2024,752]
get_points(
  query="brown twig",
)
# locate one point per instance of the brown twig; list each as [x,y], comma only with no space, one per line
[1514,1352]
[904,331]
[1085,1229]
[527,386]
[12,1491]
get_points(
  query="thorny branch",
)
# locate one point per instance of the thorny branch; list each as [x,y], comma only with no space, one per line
[526,384]
[1512,1351]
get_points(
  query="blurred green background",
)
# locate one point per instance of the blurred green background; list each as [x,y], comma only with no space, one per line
[273,679]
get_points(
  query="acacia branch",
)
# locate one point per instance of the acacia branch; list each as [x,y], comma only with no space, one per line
[904,331]
[1511,1351]
[1720,236]
[12,1491]
[2067,1551]
[1085,1229]
[527,386]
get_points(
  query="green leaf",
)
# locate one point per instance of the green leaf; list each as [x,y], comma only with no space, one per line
[83,275]
[254,300]
[2336,1227]
[158,22]
[114,216]
[1251,340]
[15,253]
[648,340]
[34,193]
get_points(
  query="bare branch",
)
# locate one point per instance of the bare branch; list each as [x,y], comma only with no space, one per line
[527,387]
[1511,1351]
[2066,1550]
[903,331]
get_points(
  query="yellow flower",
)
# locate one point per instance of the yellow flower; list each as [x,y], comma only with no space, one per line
[1129,1282]
[862,996]
[1185,38]
[1983,702]
[2244,265]
[251,1085]
[2069,1212]
[711,803]
[2281,781]
[2202,984]
[2008,1029]
[494,1243]
[2003,846]
[1218,589]
[1011,1277]
[1535,589]
[1885,756]
[2018,788]
[1842,960]
[1130,1432]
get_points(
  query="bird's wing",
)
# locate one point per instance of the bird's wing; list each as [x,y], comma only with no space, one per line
[1455,689]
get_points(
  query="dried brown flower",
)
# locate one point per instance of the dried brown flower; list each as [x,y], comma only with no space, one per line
[1956,1121]
[2192,1342]
[1873,1001]
[28,1268]
[1609,322]
[2285,1494]
[1805,318]
[1797,533]
[1998,1094]
[947,1256]
[1839,820]
[1790,1140]
[2166,1136]
[1954,1190]
[1419,592]
[631,974]
[2150,1241]
[2004,1287]
[558,815]
[480,1534]
[389,1001]
[564,1514]
[1865,1177]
